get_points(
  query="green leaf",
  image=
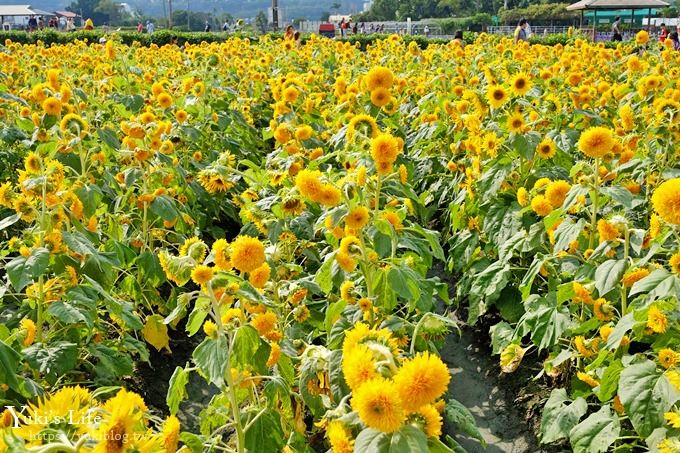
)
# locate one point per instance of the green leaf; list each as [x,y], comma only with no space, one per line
[150,267]
[621,195]
[567,232]
[24,270]
[9,361]
[164,207]
[397,279]
[9,221]
[339,388]
[324,276]
[265,434]
[69,313]
[528,279]
[608,275]
[501,336]
[246,343]
[660,284]
[610,381]
[596,433]
[550,322]
[437,446]
[109,137]
[560,415]
[459,415]
[193,441]
[408,439]
[53,359]
[333,313]
[211,358]
[646,395]
[622,327]
[112,363]
[177,391]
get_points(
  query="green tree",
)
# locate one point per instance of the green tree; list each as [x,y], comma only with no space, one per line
[261,22]
[324,16]
[113,11]
[384,10]
[87,9]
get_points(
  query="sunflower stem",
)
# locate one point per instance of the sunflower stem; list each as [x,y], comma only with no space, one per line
[626,247]
[594,199]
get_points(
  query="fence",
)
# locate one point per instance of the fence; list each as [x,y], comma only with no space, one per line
[400,28]
[535,29]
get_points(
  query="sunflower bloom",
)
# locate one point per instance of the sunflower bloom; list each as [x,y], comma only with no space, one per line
[666,201]
[656,320]
[431,420]
[339,437]
[170,434]
[668,358]
[541,206]
[379,406]
[247,253]
[379,77]
[264,323]
[357,218]
[359,367]
[556,192]
[421,380]
[596,142]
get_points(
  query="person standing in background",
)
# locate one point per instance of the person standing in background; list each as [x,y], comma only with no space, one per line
[150,27]
[140,27]
[616,29]
[663,34]
[521,31]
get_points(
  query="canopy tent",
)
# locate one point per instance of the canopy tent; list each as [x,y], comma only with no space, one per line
[16,10]
[66,14]
[40,12]
[608,5]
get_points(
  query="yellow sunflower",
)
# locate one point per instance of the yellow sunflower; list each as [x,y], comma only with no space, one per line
[247,253]
[596,142]
[546,148]
[666,201]
[497,96]
[379,406]
[421,380]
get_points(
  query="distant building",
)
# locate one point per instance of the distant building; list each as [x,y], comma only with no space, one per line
[128,9]
[270,16]
[338,17]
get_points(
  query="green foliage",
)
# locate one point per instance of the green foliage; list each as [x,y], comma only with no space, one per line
[542,12]
[476,22]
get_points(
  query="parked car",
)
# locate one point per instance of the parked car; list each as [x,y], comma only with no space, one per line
[327,30]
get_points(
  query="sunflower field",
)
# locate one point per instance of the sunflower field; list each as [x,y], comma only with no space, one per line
[281,208]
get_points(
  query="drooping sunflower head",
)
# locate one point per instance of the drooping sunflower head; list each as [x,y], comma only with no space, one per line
[194,248]
[361,124]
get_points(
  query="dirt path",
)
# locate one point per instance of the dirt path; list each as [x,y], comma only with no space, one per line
[476,382]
